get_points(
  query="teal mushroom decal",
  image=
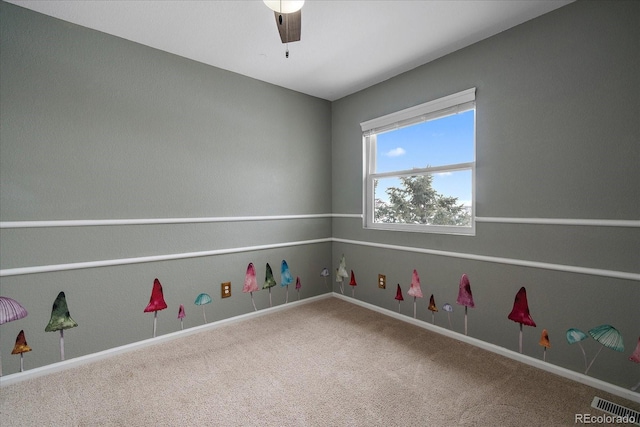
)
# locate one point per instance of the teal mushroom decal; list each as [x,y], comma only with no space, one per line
[203,299]
[285,278]
[609,337]
[575,336]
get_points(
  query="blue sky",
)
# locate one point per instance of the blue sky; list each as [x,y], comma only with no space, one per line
[447,140]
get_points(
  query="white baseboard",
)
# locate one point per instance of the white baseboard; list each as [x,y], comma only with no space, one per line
[94,357]
[545,366]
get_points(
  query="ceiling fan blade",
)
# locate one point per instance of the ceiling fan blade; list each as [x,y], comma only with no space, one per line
[289,26]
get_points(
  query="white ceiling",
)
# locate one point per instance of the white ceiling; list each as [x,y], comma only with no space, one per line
[346,46]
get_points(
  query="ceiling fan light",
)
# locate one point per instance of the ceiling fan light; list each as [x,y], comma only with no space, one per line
[284,6]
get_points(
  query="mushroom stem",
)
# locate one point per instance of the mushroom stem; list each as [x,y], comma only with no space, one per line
[155,323]
[21,362]
[270,303]
[398,306]
[414,307]
[353,292]
[465,320]
[341,288]
[520,341]
[593,360]
[0,365]
[181,325]
[449,317]
[286,299]
[204,315]
[253,302]
[61,344]
[584,355]
[433,318]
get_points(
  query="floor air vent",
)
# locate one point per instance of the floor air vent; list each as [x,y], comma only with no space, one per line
[616,410]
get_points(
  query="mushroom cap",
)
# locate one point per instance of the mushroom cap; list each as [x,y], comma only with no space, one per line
[544,339]
[324,272]
[202,299]
[608,336]
[21,344]
[635,356]
[11,310]
[520,312]
[399,293]
[286,278]
[250,282]
[575,335]
[181,313]
[298,284]
[447,307]
[269,281]
[353,279]
[465,297]
[415,290]
[432,304]
[156,302]
[60,317]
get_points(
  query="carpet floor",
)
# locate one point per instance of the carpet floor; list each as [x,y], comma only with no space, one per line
[325,363]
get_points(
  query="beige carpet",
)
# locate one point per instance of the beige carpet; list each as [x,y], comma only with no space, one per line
[326,363]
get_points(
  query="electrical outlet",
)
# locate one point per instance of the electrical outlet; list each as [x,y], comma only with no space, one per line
[382,281]
[225,289]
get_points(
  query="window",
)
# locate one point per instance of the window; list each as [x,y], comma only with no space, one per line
[419,167]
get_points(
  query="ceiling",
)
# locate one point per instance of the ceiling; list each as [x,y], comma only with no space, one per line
[346,46]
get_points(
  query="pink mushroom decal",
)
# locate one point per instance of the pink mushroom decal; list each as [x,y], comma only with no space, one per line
[415,290]
[520,312]
[156,303]
[250,283]
[353,284]
[298,286]
[60,320]
[20,348]
[635,357]
[399,296]
[10,310]
[181,316]
[465,297]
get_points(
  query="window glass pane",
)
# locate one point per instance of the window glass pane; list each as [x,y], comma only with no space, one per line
[444,141]
[431,199]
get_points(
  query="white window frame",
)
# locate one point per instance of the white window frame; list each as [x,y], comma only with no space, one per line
[438,108]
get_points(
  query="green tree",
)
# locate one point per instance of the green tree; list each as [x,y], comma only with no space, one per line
[417,202]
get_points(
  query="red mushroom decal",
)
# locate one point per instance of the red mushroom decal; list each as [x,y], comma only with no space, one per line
[156,303]
[520,312]
[465,297]
[399,296]
[353,284]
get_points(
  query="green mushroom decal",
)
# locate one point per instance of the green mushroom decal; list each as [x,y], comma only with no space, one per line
[60,320]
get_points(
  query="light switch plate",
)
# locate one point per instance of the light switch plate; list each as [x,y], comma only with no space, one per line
[225,289]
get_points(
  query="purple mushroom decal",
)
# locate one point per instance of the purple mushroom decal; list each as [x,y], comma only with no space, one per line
[203,299]
[465,297]
[60,320]
[10,310]
[609,337]
[250,283]
[20,348]
[181,316]
[415,290]
[269,282]
[324,274]
[298,286]
[286,278]
[156,303]
[575,336]
[399,296]
[449,309]
[520,312]
[635,357]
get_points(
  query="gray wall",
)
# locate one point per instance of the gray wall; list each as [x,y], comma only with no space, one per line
[558,136]
[95,127]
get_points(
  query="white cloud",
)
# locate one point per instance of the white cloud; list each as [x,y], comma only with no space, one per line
[395,152]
